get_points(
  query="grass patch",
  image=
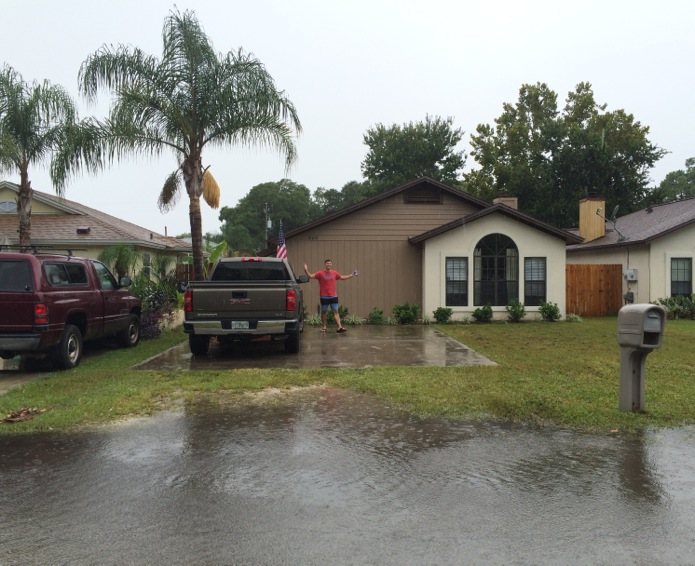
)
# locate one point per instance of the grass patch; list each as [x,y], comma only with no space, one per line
[555,374]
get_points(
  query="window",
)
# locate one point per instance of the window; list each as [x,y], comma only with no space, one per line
[496,271]
[456,281]
[15,276]
[107,280]
[59,274]
[681,276]
[8,206]
[534,281]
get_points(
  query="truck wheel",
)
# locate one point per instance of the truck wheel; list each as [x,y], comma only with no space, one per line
[68,353]
[130,336]
[199,344]
[292,342]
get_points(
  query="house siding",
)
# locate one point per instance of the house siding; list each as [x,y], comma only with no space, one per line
[373,240]
[461,242]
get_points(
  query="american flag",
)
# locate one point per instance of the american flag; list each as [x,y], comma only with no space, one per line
[282,248]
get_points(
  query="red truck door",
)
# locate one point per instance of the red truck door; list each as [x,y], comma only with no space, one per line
[116,308]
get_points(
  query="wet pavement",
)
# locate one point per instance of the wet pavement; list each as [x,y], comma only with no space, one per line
[326,476]
[360,347]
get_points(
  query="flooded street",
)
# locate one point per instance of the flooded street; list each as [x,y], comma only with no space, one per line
[325,476]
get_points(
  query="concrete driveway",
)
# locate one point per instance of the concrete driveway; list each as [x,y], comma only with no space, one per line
[360,347]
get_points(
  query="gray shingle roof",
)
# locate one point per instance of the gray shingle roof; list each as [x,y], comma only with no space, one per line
[103,228]
[645,225]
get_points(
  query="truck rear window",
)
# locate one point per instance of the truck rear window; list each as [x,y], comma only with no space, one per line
[250,271]
[59,274]
[15,275]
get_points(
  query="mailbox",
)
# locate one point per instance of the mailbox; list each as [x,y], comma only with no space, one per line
[640,330]
[641,326]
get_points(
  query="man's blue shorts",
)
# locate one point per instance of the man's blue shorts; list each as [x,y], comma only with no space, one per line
[331,302]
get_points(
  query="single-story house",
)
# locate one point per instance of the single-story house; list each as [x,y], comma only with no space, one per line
[430,244]
[65,226]
[655,247]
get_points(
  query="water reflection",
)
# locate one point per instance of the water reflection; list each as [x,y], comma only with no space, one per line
[328,476]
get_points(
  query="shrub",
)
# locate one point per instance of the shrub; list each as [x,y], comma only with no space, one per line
[571,317]
[377,317]
[483,314]
[406,313]
[550,312]
[442,315]
[516,311]
[354,320]
[312,319]
[678,307]
[159,298]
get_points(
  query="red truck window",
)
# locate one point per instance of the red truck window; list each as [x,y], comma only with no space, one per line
[15,276]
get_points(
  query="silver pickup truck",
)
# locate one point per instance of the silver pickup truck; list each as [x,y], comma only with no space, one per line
[244,298]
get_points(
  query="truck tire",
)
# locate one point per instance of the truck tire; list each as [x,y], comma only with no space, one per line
[130,336]
[68,353]
[292,342]
[199,344]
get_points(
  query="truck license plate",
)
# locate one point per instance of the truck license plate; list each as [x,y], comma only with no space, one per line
[240,325]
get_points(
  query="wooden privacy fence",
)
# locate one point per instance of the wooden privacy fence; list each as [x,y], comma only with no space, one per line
[594,289]
[184,272]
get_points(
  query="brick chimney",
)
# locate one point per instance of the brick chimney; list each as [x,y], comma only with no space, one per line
[591,225]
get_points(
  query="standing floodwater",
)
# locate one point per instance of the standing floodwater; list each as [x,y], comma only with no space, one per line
[325,476]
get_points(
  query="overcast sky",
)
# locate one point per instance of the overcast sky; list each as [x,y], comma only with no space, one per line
[348,66]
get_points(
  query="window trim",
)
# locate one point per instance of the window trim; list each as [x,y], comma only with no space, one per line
[463,282]
[532,282]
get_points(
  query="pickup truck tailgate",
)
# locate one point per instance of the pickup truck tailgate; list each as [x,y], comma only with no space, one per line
[16,312]
[225,302]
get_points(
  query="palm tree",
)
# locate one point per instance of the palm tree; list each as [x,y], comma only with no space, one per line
[34,119]
[189,99]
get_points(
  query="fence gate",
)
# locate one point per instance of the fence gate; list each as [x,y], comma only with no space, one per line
[594,289]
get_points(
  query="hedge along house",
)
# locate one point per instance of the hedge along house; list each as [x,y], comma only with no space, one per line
[62,225]
[433,245]
[655,247]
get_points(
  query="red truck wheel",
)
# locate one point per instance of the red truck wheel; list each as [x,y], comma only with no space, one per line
[68,353]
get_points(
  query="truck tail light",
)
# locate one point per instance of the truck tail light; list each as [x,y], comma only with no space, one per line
[291,300]
[187,301]
[40,314]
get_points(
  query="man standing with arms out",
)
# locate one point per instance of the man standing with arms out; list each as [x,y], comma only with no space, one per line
[328,278]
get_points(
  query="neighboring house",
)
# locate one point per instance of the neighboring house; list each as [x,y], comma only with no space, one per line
[430,244]
[66,226]
[654,246]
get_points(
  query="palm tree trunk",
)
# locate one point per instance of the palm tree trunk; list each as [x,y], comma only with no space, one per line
[24,211]
[196,219]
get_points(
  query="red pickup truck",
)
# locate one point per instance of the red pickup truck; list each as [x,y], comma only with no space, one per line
[50,304]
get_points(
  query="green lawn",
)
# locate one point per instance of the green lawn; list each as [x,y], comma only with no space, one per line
[549,374]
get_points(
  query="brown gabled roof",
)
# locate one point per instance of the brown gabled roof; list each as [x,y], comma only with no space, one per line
[423,181]
[501,209]
[98,228]
[644,226]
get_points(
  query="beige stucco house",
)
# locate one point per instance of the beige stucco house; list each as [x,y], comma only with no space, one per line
[655,247]
[66,226]
[434,245]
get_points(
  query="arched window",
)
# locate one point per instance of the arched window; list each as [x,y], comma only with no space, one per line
[496,271]
[8,206]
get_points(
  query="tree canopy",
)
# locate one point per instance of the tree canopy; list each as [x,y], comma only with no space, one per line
[550,159]
[189,99]
[398,154]
[35,119]
[679,184]
[244,225]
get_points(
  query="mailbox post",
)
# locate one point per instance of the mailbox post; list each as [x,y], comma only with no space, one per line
[640,330]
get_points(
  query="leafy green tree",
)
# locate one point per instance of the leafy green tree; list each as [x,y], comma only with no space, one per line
[550,159]
[189,99]
[34,120]
[398,154]
[244,225]
[121,258]
[679,184]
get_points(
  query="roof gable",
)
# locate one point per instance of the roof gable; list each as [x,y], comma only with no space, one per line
[420,191]
[505,210]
